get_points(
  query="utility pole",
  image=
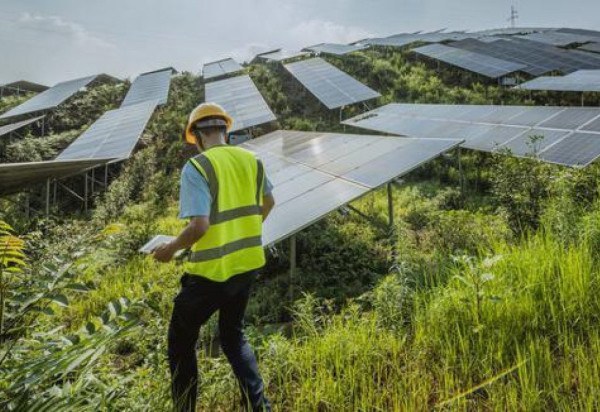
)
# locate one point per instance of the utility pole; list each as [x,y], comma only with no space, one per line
[514,15]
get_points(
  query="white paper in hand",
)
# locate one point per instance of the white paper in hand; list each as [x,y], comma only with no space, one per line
[155,242]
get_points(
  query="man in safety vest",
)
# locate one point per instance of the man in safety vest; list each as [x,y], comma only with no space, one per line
[226,195]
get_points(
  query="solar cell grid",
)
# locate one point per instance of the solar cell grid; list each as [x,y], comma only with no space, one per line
[491,128]
[242,100]
[220,68]
[317,173]
[9,128]
[50,98]
[331,86]
[149,87]
[476,62]
[337,49]
[114,135]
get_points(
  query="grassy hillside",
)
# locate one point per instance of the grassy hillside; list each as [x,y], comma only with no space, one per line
[493,305]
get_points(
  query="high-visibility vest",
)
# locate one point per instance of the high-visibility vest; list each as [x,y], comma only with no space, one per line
[233,242]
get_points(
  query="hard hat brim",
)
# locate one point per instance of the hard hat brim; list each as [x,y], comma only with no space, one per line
[191,138]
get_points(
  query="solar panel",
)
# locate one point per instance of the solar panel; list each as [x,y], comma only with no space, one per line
[556,38]
[475,62]
[21,86]
[538,58]
[315,174]
[149,87]
[404,39]
[337,49]
[577,149]
[220,68]
[582,32]
[14,177]
[579,81]
[331,86]
[592,47]
[114,135]
[281,55]
[242,100]
[9,128]
[493,128]
[50,98]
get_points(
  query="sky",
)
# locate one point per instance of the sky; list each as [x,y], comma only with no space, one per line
[49,41]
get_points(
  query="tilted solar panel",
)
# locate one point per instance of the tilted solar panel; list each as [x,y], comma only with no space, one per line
[281,55]
[316,173]
[337,49]
[242,100]
[475,62]
[50,98]
[112,136]
[149,87]
[592,47]
[333,87]
[522,130]
[579,81]
[9,128]
[14,177]
[220,68]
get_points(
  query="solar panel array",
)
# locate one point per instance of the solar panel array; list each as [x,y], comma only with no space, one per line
[336,49]
[15,176]
[242,100]
[22,86]
[220,68]
[556,38]
[113,136]
[149,87]
[404,39]
[315,174]
[538,58]
[475,62]
[281,55]
[50,98]
[568,136]
[333,87]
[579,81]
[9,128]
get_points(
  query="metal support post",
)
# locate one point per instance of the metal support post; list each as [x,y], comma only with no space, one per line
[392,227]
[292,266]
[92,180]
[55,193]
[48,197]
[85,192]
[461,175]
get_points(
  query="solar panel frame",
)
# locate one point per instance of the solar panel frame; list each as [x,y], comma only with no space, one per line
[149,87]
[114,135]
[50,98]
[330,85]
[240,97]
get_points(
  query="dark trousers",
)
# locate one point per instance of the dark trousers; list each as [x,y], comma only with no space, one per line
[198,299]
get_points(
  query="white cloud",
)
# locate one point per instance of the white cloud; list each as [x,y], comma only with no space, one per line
[59,26]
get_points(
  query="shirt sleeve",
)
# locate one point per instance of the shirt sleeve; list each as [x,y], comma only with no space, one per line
[194,195]
[267,186]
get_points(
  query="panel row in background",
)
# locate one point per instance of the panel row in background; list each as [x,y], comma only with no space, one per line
[315,174]
[562,135]
[579,81]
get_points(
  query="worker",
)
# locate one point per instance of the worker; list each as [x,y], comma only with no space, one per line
[227,196]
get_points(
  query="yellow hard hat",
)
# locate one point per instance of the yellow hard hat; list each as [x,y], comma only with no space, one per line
[205,111]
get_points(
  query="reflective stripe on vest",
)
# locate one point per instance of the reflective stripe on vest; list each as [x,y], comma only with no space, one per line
[233,242]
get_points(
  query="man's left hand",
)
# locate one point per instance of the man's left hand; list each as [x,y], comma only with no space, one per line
[164,253]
